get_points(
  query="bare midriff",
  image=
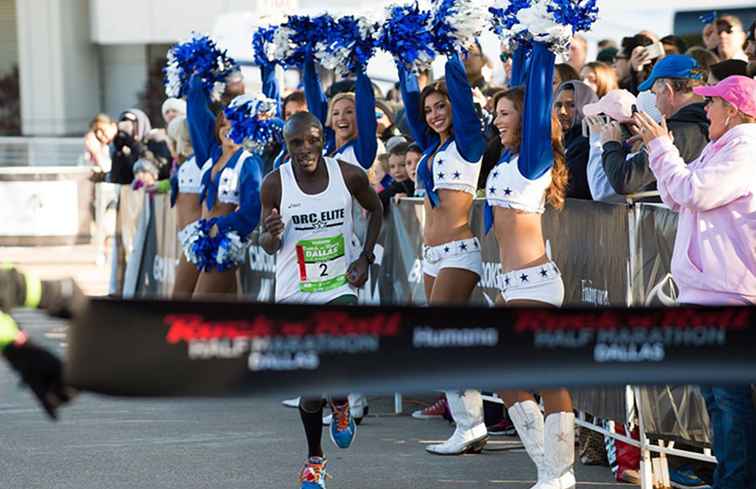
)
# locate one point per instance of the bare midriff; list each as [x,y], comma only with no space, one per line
[520,238]
[450,220]
[188,209]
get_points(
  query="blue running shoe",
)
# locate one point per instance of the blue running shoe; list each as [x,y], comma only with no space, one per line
[343,428]
[313,475]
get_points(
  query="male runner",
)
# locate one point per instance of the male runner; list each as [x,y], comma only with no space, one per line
[307,222]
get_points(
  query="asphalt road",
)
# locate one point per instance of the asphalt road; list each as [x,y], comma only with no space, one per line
[114,443]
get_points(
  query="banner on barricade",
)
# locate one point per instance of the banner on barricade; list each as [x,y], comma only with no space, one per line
[587,240]
[651,281]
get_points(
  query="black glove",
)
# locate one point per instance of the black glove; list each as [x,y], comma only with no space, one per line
[42,372]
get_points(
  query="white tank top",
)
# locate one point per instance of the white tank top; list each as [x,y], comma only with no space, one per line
[507,187]
[315,249]
[190,175]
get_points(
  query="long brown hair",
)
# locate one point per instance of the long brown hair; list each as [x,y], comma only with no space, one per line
[438,87]
[555,194]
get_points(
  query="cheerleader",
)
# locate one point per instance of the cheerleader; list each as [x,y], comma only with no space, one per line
[443,122]
[230,196]
[186,187]
[532,172]
[349,118]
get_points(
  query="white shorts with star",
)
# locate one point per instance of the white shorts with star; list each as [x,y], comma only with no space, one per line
[463,254]
[541,283]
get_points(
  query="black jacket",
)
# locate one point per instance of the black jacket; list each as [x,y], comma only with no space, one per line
[577,149]
[690,130]
[126,151]
[405,187]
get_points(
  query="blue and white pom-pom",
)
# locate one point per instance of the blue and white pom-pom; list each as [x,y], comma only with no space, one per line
[199,55]
[253,122]
[263,45]
[504,17]
[406,35]
[552,22]
[456,23]
[230,251]
[348,46]
[199,247]
[296,36]
[223,252]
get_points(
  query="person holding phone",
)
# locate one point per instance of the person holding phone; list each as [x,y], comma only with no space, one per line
[672,81]
[713,262]
[633,64]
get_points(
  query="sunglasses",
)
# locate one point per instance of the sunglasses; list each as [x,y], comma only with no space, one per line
[725,27]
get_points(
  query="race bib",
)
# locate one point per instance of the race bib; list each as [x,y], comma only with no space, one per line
[322,264]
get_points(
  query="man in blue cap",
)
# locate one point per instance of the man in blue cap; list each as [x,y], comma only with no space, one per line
[671,80]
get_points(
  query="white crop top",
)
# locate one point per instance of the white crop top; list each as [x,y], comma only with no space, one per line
[507,187]
[228,185]
[452,172]
[190,176]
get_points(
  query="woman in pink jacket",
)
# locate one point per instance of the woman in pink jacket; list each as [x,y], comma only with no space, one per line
[714,260]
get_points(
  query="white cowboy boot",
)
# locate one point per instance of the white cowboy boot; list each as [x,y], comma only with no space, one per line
[528,420]
[559,451]
[470,435]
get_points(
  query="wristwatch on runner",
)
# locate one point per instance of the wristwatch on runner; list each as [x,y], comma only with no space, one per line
[369,256]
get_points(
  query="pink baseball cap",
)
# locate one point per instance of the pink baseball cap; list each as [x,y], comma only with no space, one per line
[738,90]
[617,104]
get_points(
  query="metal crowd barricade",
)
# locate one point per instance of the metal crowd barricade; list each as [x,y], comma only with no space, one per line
[654,472]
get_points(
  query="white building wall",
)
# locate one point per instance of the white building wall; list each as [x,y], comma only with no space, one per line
[166,21]
[59,67]
[124,73]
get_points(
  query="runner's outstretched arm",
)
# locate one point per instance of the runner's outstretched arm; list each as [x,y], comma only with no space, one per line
[273,226]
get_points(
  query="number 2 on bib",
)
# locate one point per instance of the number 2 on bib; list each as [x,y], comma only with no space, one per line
[322,264]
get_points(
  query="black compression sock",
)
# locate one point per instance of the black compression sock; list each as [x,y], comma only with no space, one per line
[313,427]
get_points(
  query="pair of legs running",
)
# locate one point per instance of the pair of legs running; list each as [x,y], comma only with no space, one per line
[342,431]
[342,428]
